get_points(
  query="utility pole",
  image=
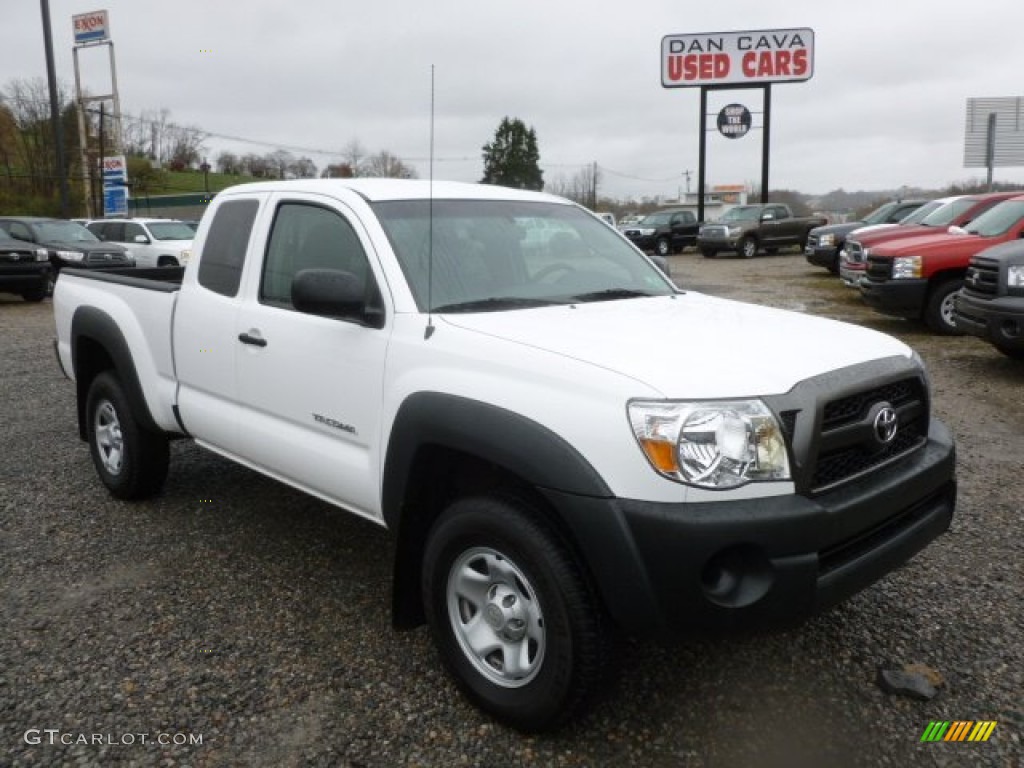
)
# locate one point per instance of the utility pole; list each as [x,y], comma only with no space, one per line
[58,134]
[687,173]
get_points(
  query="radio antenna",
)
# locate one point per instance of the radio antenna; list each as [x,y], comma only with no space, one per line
[430,220]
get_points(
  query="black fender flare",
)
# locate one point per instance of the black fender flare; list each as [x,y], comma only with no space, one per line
[95,325]
[496,435]
[506,439]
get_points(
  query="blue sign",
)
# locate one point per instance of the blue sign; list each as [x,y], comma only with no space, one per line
[115,201]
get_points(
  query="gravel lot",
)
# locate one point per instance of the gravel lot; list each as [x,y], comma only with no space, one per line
[239,612]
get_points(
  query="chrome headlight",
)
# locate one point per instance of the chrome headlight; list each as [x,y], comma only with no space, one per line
[827,240]
[906,267]
[714,444]
[1015,276]
[71,255]
[647,231]
[733,231]
[42,254]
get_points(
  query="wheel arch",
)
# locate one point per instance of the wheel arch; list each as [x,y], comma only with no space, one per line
[97,345]
[443,446]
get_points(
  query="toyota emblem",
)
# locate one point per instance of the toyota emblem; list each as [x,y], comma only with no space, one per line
[885,424]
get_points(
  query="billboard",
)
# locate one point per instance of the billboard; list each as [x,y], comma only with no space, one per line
[1004,118]
[728,58]
[91,27]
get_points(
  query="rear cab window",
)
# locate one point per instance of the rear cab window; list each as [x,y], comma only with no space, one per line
[227,240]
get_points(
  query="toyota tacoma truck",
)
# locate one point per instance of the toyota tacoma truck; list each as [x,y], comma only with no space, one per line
[991,303]
[473,368]
[746,229]
[917,277]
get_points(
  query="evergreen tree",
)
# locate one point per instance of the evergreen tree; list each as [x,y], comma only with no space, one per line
[511,160]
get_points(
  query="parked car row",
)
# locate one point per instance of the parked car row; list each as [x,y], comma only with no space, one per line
[960,268]
[34,249]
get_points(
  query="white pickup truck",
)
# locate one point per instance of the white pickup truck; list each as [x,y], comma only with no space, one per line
[565,445]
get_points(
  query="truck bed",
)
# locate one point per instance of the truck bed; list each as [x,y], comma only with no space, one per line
[138,305]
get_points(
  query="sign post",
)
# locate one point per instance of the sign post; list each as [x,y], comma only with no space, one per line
[92,29]
[735,60]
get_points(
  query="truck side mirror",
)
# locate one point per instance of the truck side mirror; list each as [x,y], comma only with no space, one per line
[329,293]
[141,239]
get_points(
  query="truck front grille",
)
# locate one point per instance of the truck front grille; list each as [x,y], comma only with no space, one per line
[848,445]
[982,277]
[106,259]
[835,423]
[714,231]
[879,268]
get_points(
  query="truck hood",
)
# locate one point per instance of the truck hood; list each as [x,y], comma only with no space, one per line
[690,345]
[837,229]
[943,241]
[83,247]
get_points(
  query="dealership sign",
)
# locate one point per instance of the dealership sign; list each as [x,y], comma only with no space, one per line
[726,58]
[91,27]
[115,190]
[734,121]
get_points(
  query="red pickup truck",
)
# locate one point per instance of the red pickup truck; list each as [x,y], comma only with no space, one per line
[917,277]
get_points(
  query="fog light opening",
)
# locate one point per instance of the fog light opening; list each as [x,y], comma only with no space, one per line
[737,577]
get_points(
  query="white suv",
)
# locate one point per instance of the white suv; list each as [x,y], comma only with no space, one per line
[153,242]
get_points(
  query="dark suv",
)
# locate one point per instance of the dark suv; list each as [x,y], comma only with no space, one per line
[664,232]
[24,269]
[67,243]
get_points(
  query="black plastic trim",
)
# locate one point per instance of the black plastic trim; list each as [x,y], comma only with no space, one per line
[164,279]
[501,437]
[95,325]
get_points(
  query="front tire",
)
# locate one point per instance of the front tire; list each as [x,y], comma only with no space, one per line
[748,247]
[939,312]
[708,253]
[663,247]
[130,461]
[511,614]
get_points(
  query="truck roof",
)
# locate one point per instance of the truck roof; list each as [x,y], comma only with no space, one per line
[376,190]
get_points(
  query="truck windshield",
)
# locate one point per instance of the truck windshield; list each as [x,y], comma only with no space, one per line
[742,213]
[171,230]
[997,220]
[880,215]
[945,214]
[64,232]
[488,255]
[918,215]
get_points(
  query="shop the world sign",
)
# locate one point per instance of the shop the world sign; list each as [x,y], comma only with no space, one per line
[722,58]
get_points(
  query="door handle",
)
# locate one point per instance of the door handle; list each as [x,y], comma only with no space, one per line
[256,341]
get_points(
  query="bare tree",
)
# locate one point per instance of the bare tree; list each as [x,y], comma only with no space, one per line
[228,162]
[353,155]
[580,188]
[303,168]
[279,162]
[386,165]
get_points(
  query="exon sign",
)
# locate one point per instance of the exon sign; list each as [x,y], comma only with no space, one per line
[724,58]
[90,27]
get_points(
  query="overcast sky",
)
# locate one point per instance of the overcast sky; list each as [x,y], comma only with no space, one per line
[886,106]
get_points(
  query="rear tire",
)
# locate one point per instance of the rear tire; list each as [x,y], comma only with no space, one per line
[511,614]
[131,461]
[35,295]
[939,312]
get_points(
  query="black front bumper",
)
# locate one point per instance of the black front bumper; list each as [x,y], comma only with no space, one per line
[823,257]
[998,320]
[761,562]
[18,278]
[903,298]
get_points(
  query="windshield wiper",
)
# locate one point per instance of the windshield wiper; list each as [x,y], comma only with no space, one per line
[612,293]
[495,303]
